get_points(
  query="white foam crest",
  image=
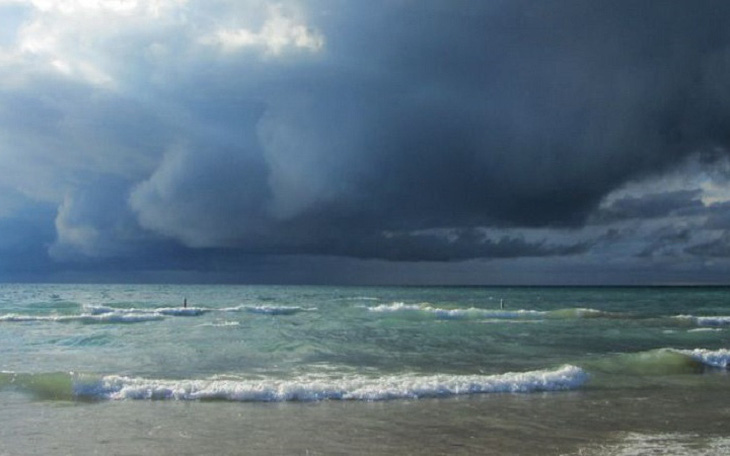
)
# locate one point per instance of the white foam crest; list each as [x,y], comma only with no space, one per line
[231,309]
[706,320]
[503,321]
[24,318]
[181,311]
[714,358]
[316,388]
[582,312]
[395,307]
[96,310]
[471,312]
[117,318]
[221,324]
[589,312]
[713,321]
[277,310]
[111,317]
[196,311]
[169,311]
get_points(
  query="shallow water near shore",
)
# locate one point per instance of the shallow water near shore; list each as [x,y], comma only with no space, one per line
[576,423]
[99,369]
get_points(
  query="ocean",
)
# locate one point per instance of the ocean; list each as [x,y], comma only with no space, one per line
[305,370]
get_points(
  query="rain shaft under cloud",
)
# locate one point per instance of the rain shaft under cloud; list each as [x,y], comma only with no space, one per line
[551,134]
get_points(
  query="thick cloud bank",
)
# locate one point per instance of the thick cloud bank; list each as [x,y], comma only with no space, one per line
[543,134]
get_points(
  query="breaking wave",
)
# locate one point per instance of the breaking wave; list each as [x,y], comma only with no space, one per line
[106,314]
[472,312]
[276,310]
[705,321]
[583,312]
[110,317]
[476,313]
[305,388]
[712,358]
[664,361]
[168,311]
[359,387]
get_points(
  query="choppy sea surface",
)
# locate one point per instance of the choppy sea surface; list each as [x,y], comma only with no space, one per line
[171,369]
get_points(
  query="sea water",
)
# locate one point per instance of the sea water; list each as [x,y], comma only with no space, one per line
[171,369]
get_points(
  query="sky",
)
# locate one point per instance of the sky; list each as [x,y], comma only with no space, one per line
[496,142]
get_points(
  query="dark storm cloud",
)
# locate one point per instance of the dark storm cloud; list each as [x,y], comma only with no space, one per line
[664,241]
[717,248]
[654,205]
[450,115]
[719,217]
[24,240]
[388,130]
[529,113]
[463,245]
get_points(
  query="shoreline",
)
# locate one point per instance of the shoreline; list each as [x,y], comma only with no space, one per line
[556,423]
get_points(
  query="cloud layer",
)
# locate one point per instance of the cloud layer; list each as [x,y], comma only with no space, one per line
[182,134]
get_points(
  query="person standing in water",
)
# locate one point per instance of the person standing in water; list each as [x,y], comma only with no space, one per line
[185,303]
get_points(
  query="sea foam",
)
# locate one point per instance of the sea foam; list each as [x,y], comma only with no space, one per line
[494,314]
[713,321]
[706,320]
[313,388]
[713,358]
[638,444]
[471,312]
[107,314]
[110,317]
[169,311]
[274,310]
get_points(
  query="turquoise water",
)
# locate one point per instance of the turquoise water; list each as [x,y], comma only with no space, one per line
[489,370]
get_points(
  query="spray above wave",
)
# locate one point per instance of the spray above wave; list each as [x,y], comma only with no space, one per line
[304,388]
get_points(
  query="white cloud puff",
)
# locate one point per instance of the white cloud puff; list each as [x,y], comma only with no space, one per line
[280,33]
